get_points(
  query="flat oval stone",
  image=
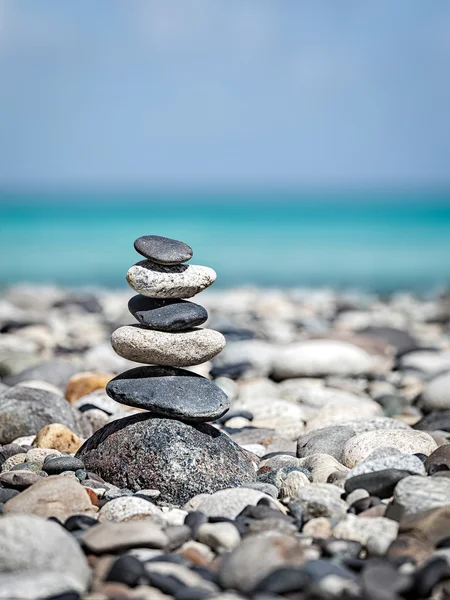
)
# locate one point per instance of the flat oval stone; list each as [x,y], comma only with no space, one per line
[163,250]
[359,447]
[170,392]
[378,483]
[167,315]
[167,349]
[178,281]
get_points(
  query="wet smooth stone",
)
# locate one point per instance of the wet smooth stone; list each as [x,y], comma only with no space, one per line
[439,460]
[170,392]
[127,569]
[55,466]
[378,483]
[167,315]
[159,281]
[283,581]
[167,349]
[163,250]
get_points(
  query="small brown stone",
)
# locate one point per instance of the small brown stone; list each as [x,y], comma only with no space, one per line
[195,557]
[406,545]
[53,496]
[374,511]
[92,495]
[318,528]
[439,460]
[59,437]
[83,384]
[431,526]
[115,591]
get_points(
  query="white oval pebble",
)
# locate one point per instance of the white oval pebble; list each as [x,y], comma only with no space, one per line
[168,349]
[360,446]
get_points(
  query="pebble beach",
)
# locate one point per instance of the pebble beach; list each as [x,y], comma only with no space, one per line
[246,443]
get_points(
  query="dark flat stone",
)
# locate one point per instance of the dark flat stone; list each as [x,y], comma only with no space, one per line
[171,392]
[6,494]
[129,570]
[439,460]
[162,250]
[378,483]
[59,464]
[233,371]
[436,420]
[79,523]
[283,581]
[19,480]
[170,314]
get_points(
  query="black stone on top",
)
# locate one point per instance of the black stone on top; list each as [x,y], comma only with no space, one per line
[167,314]
[162,250]
[170,392]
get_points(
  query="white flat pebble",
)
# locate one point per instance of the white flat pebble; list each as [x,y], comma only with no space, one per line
[167,349]
[360,446]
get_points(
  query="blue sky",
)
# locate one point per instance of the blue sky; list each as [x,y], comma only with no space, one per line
[214,92]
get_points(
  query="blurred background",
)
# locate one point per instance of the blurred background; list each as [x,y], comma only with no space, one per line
[290,143]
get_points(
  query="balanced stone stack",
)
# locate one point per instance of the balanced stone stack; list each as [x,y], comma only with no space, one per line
[170,448]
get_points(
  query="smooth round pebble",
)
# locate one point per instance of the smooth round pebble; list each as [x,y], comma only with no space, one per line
[127,507]
[359,447]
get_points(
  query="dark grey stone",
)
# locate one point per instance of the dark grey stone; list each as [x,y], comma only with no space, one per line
[171,392]
[330,440]
[439,460]
[401,340]
[171,314]
[10,450]
[6,494]
[148,452]
[320,568]
[129,570]
[162,250]
[19,480]
[439,420]
[378,483]
[283,581]
[392,405]
[55,466]
[54,371]
[382,580]
[231,370]
[24,411]
[341,548]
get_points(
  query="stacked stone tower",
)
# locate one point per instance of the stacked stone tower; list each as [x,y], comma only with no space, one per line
[170,448]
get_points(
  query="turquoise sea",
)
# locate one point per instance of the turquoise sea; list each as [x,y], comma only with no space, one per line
[372,241]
